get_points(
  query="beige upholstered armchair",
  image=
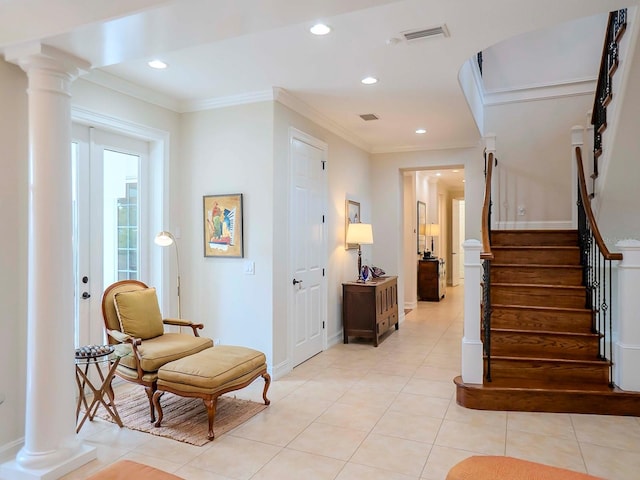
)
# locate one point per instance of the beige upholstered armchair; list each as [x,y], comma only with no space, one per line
[133,321]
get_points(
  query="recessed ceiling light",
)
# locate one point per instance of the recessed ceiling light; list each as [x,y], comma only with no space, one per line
[320,29]
[463,181]
[369,80]
[157,64]
[420,131]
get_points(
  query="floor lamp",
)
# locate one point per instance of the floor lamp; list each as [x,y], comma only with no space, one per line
[362,234]
[164,239]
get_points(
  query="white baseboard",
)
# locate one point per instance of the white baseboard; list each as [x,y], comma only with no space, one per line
[335,339]
[9,450]
[542,225]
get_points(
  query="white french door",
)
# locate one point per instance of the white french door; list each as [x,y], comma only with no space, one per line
[109,210]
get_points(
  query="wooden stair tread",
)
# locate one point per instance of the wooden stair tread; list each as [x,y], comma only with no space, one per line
[534,265]
[565,361]
[541,308]
[544,332]
[535,247]
[538,285]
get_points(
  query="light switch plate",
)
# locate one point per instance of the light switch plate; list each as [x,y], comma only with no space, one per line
[249,268]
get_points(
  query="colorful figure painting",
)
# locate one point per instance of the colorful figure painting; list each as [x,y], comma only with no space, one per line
[223,225]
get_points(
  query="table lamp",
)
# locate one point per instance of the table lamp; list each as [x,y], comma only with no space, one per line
[431,230]
[362,234]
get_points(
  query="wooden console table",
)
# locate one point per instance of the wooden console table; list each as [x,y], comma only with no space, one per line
[369,309]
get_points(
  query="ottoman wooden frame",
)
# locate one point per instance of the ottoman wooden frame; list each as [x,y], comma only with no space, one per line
[209,374]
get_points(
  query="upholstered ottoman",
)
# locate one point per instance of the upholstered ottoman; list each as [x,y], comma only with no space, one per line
[210,373]
[127,470]
[497,468]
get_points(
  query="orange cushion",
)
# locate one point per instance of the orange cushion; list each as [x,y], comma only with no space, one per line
[497,468]
[128,470]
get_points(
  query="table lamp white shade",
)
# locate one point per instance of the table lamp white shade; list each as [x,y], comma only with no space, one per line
[166,239]
[360,233]
[432,230]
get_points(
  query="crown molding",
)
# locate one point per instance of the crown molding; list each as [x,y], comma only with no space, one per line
[294,103]
[528,93]
[112,82]
[229,101]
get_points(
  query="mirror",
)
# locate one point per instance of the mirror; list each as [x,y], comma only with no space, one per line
[422,227]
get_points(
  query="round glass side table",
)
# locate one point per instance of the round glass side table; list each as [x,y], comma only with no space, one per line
[98,356]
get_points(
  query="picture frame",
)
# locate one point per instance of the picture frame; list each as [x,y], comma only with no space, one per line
[222,218]
[351,215]
[421,223]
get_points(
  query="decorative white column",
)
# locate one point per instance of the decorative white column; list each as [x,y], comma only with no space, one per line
[577,140]
[627,356]
[51,448]
[472,360]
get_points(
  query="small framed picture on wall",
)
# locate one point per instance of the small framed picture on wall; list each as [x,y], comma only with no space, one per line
[351,215]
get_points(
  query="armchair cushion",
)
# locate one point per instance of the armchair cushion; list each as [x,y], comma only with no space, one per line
[139,313]
[157,351]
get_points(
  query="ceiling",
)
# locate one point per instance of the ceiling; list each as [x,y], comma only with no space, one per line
[236,51]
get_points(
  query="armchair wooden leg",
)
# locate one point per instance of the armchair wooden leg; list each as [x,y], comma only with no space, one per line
[150,391]
[156,401]
[267,382]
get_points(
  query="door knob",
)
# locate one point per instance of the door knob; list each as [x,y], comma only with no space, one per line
[86,295]
[295,282]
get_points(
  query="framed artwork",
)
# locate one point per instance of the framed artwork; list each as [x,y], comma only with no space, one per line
[222,220]
[351,215]
[422,227]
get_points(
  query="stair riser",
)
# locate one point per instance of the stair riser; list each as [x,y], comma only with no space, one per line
[562,238]
[517,344]
[536,275]
[535,256]
[523,400]
[538,296]
[550,371]
[531,319]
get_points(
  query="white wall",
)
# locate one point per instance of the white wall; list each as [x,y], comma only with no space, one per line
[227,151]
[534,162]
[13,252]
[387,203]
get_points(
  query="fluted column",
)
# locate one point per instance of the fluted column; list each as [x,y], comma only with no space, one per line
[50,448]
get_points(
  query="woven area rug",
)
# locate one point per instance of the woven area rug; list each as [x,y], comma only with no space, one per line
[185,419]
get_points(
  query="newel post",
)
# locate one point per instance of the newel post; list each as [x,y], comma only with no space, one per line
[628,342]
[472,361]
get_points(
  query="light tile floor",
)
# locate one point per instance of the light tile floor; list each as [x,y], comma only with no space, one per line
[355,412]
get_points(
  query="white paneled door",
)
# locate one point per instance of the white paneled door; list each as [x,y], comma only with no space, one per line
[308,246]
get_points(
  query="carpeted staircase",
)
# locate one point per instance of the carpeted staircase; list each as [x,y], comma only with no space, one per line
[544,354]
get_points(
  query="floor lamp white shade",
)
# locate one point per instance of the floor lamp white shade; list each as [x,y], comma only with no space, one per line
[165,239]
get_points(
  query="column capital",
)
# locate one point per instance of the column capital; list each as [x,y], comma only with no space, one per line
[34,57]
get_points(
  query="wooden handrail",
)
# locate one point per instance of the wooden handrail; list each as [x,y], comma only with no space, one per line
[586,204]
[486,211]
[602,73]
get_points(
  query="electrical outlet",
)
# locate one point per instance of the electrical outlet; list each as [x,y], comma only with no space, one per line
[521,210]
[216,341]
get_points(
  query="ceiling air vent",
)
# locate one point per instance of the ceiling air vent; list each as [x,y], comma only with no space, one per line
[367,117]
[413,35]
